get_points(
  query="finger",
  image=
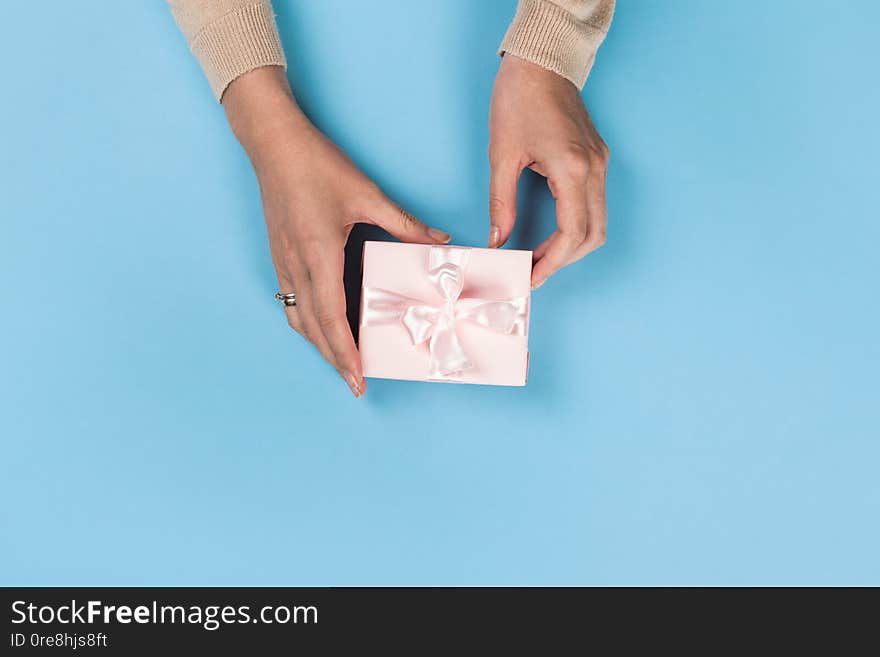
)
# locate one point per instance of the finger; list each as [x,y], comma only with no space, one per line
[541,249]
[502,200]
[328,298]
[597,211]
[403,225]
[558,251]
[597,219]
[294,320]
[596,230]
[570,190]
[286,286]
[305,309]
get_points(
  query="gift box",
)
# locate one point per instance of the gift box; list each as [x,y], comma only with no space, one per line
[445,313]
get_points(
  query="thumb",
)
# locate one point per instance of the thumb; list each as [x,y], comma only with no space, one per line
[502,200]
[404,226]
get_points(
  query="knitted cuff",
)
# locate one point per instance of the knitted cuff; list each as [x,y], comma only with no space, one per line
[549,36]
[236,43]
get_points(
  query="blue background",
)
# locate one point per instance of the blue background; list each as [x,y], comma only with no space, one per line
[703,401]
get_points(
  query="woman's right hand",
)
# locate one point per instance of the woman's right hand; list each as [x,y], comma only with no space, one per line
[312,197]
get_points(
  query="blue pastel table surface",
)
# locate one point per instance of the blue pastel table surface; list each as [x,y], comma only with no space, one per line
[703,402]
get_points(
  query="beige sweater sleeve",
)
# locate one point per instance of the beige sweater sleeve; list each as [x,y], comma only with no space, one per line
[560,35]
[232,37]
[229,37]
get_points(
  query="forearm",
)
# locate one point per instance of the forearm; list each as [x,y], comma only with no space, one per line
[263,113]
[229,37]
[560,35]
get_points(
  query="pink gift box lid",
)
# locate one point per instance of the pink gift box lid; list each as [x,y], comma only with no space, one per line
[387,350]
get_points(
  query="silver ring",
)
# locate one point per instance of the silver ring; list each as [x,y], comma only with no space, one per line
[287,299]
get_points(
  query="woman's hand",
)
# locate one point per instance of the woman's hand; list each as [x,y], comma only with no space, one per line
[312,196]
[538,120]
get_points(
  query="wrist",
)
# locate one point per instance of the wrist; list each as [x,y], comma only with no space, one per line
[262,111]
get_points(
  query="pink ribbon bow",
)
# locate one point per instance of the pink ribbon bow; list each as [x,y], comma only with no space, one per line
[436,324]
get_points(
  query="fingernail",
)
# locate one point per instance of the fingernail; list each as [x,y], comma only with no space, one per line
[537,284]
[494,236]
[356,388]
[438,235]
